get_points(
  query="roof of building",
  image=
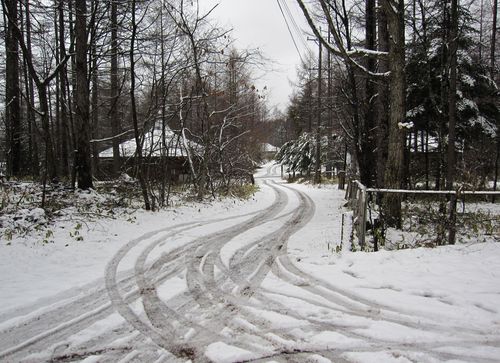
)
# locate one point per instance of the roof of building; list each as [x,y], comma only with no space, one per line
[153,145]
[266,147]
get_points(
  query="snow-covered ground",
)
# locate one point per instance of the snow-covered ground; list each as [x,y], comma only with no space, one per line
[233,281]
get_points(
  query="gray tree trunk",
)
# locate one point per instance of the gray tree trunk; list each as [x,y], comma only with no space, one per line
[138,138]
[382,98]
[394,11]
[115,122]
[82,116]
[12,91]
[493,73]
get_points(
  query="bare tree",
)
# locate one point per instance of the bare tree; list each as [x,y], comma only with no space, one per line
[115,122]
[199,41]
[63,111]
[82,114]
[42,85]
[492,75]
[138,137]
[394,12]
[30,96]
[12,91]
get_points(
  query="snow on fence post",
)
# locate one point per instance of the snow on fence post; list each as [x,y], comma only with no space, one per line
[356,195]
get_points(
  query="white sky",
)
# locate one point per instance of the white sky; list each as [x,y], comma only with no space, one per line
[259,24]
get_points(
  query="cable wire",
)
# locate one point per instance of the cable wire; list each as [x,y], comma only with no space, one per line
[298,30]
[289,30]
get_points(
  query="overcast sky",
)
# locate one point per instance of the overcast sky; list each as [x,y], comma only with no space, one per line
[259,24]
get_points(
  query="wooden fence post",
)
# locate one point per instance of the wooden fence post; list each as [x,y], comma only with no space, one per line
[452,223]
[362,226]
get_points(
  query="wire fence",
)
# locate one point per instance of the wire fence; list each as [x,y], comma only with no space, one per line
[363,201]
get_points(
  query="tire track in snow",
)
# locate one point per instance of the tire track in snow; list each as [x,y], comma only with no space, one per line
[155,308]
[38,332]
[202,265]
[229,305]
[220,297]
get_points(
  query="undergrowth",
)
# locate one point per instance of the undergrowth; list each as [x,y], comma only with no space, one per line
[22,212]
[426,224]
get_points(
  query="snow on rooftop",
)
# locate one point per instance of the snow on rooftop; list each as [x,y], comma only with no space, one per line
[266,147]
[153,145]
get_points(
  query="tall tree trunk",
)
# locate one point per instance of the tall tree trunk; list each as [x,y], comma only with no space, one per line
[95,110]
[397,92]
[444,96]
[12,91]
[32,127]
[83,162]
[50,156]
[64,136]
[382,98]
[368,139]
[30,93]
[42,87]
[354,98]
[165,172]
[452,96]
[493,74]
[428,77]
[58,136]
[452,116]
[138,137]
[71,85]
[115,122]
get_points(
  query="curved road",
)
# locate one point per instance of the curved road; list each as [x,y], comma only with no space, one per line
[197,292]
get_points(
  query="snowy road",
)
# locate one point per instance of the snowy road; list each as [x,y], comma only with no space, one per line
[231,289]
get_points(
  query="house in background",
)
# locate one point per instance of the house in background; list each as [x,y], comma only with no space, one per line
[158,150]
[268,151]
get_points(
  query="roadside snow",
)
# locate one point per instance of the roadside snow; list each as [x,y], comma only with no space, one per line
[33,271]
[424,305]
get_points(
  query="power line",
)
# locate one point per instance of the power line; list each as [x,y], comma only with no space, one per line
[298,31]
[290,31]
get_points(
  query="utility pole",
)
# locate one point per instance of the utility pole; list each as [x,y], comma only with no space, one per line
[317,164]
[329,162]
[317,174]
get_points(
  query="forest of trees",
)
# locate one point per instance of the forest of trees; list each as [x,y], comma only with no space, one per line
[81,76]
[408,88]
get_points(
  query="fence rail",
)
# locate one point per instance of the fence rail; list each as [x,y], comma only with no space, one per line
[358,196]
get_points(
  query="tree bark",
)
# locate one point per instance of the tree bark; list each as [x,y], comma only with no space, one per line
[115,122]
[95,110]
[382,99]
[397,90]
[42,87]
[12,91]
[452,96]
[83,162]
[368,139]
[492,74]
[138,138]
[64,136]
[30,93]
